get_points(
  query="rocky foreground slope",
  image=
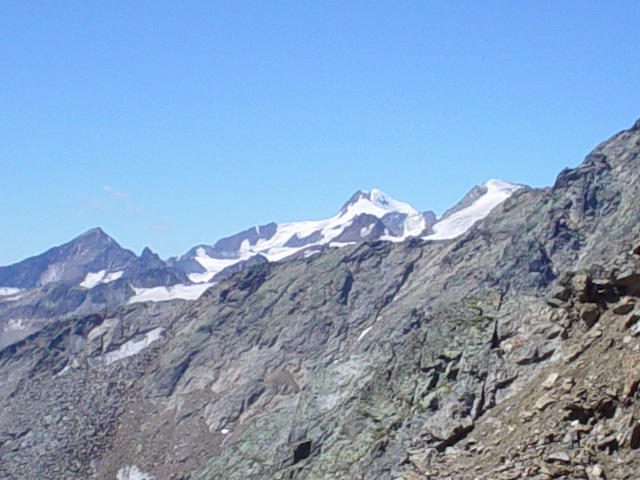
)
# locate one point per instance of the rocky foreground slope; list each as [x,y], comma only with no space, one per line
[510,352]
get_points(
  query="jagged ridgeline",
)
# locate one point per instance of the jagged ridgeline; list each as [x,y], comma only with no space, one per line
[511,350]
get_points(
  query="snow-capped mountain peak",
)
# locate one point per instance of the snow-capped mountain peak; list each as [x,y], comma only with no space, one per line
[367,215]
[374,202]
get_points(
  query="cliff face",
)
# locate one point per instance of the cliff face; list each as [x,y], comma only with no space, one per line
[510,352]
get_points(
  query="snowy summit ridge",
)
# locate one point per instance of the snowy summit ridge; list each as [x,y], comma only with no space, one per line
[367,215]
[375,202]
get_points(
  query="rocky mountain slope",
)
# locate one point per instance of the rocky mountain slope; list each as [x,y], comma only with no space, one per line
[511,351]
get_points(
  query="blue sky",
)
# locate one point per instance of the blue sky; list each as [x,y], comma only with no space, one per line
[176,123]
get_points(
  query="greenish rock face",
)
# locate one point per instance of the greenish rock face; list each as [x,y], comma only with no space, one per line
[376,361]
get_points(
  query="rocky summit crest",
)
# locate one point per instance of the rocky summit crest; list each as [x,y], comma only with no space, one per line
[375,199]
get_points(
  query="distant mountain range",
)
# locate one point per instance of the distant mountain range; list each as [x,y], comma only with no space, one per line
[94,272]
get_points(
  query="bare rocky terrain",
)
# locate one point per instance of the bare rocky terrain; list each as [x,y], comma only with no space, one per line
[510,352]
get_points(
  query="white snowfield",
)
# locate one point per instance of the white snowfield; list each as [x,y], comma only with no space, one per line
[8,291]
[161,294]
[213,265]
[458,223]
[374,202]
[95,278]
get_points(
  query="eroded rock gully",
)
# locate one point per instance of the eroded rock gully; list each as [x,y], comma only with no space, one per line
[510,352]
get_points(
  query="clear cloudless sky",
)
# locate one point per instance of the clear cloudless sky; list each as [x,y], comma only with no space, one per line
[171,124]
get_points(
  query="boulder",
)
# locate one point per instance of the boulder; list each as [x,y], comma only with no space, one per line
[625,305]
[590,313]
[550,381]
[558,457]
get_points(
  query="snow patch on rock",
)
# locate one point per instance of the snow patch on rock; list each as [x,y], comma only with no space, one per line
[364,231]
[364,333]
[133,473]
[95,278]
[128,349]
[16,324]
[8,291]
[162,294]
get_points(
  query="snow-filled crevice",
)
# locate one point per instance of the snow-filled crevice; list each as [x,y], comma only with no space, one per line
[128,349]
